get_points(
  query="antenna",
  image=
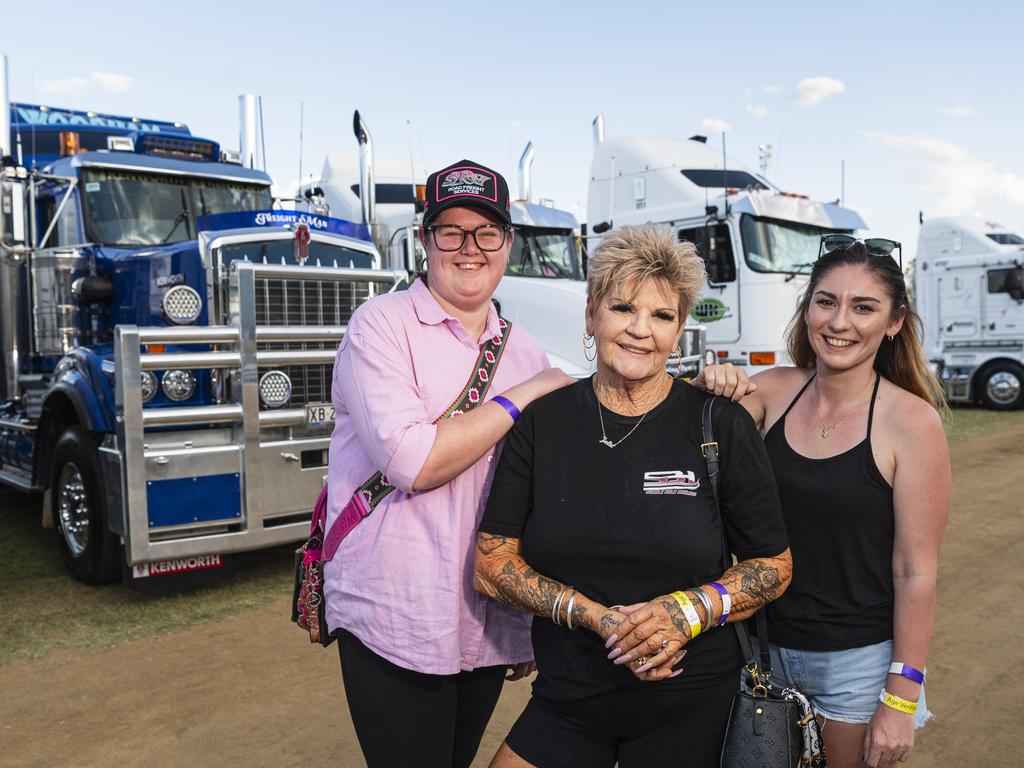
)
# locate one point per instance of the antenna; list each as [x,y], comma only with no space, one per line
[412,162]
[302,106]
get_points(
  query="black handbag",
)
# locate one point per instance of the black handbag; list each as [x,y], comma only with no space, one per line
[769,726]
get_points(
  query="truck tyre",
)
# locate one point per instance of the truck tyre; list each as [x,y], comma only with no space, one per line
[1001,386]
[79,510]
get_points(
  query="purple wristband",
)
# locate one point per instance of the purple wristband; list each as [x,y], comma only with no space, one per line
[508,405]
[726,601]
[907,671]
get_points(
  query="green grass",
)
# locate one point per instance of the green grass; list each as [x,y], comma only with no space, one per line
[42,608]
[968,422]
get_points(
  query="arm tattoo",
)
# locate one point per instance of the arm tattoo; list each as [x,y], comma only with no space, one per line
[759,582]
[504,575]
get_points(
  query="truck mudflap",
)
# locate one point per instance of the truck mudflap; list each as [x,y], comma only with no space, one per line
[236,475]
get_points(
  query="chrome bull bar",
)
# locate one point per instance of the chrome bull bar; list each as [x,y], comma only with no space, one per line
[226,448]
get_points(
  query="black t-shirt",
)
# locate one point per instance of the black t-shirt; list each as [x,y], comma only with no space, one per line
[627,524]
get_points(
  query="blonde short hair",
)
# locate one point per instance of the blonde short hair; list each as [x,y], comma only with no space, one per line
[633,254]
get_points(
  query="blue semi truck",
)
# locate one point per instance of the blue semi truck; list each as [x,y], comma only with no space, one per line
[166,340]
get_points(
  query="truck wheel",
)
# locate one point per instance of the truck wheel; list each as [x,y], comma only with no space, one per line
[1002,387]
[79,510]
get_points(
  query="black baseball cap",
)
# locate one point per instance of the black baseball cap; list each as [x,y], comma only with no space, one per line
[467,183]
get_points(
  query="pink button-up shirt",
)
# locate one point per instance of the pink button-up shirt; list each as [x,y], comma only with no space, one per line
[402,581]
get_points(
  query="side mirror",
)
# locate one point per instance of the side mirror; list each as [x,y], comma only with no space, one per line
[13,219]
[1016,289]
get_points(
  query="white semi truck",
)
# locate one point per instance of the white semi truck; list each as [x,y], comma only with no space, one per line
[969,287]
[543,289]
[757,242]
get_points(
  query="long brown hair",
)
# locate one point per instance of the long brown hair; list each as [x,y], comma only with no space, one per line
[902,361]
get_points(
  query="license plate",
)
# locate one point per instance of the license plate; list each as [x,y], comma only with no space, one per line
[318,414]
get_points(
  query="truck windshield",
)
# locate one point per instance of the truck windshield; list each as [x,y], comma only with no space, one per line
[771,245]
[131,208]
[544,253]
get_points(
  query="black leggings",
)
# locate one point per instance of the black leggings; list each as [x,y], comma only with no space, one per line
[406,718]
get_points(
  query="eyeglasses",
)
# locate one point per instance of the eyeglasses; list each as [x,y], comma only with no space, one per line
[451,237]
[876,246]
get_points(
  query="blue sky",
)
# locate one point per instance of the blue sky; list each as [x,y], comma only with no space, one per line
[921,99]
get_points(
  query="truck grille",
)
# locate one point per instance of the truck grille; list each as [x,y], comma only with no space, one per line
[313,303]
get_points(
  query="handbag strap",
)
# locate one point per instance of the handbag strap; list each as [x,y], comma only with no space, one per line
[709,447]
[376,488]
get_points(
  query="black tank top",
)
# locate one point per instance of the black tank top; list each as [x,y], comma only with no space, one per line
[839,516]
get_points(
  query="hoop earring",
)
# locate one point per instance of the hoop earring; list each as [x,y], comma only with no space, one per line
[891,337]
[591,347]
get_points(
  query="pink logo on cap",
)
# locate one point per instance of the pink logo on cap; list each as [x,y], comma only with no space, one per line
[466,181]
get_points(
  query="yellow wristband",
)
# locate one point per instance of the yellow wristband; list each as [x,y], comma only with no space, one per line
[895,702]
[692,617]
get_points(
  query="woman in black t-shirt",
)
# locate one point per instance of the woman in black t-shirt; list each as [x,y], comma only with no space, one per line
[601,500]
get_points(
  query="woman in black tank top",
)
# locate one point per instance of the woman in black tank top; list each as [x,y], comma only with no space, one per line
[855,436]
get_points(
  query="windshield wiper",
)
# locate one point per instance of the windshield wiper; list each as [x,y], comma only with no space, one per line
[797,270]
[182,217]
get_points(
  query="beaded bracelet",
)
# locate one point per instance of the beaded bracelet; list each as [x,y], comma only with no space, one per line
[895,702]
[907,671]
[726,601]
[689,612]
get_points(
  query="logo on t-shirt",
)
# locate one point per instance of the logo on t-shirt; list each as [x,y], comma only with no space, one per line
[671,481]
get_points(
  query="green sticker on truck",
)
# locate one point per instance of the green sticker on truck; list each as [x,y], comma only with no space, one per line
[709,310]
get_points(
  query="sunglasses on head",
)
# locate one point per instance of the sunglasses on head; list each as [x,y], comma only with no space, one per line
[876,246]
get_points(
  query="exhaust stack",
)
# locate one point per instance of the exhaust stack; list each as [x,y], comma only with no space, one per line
[10,262]
[598,126]
[248,139]
[525,165]
[6,150]
[367,186]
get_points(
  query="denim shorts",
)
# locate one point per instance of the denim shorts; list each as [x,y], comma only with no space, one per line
[842,685]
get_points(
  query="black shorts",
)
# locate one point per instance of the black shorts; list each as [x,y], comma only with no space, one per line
[637,728]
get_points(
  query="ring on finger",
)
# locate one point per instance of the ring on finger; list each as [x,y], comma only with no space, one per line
[664,642]
[639,661]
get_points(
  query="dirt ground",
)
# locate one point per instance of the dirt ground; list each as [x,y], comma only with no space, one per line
[247,691]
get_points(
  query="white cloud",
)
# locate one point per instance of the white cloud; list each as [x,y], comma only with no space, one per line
[714,125]
[111,81]
[757,111]
[107,81]
[772,89]
[952,180]
[957,110]
[812,90]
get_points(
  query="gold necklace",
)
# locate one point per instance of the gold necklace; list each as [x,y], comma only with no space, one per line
[826,428]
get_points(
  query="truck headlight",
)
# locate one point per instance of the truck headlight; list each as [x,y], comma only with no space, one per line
[148,385]
[178,385]
[275,389]
[182,305]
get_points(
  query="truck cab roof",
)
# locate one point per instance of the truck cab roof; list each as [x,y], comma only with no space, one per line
[666,179]
[130,161]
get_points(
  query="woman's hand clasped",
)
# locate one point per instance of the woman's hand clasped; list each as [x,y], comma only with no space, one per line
[651,639]
[726,380]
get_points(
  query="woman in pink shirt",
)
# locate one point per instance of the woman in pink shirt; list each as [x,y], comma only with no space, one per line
[423,655]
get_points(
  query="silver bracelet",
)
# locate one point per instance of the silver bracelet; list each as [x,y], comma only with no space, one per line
[557,605]
[708,610]
[568,610]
